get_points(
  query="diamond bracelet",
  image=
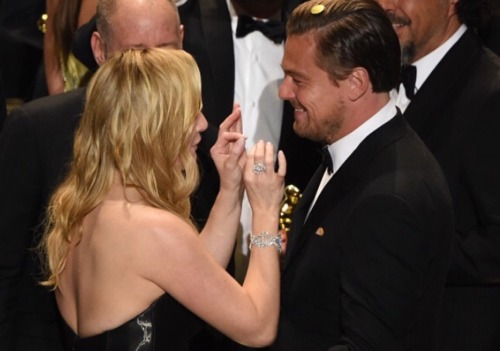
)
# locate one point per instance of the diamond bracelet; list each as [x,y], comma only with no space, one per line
[265,239]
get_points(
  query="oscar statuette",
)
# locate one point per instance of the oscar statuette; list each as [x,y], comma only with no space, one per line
[290,200]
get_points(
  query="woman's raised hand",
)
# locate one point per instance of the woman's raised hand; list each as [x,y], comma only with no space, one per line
[229,153]
[264,186]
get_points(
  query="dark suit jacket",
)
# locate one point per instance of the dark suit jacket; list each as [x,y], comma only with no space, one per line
[35,148]
[21,55]
[457,114]
[489,32]
[367,268]
[208,37]
[35,145]
[3,108]
[20,17]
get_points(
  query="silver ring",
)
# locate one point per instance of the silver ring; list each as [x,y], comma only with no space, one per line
[259,168]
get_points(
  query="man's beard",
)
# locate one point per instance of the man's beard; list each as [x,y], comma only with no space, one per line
[325,135]
[407,53]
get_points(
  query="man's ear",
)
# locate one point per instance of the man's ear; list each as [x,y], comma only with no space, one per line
[452,10]
[359,83]
[98,48]
[181,34]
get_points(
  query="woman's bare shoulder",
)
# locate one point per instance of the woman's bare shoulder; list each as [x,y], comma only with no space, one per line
[161,243]
[141,224]
[159,226]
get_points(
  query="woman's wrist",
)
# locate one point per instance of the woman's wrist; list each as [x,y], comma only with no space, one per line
[236,192]
[265,239]
[232,186]
[265,215]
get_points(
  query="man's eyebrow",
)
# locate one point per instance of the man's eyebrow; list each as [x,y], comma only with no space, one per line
[293,73]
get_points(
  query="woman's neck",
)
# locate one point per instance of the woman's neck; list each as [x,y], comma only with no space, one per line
[119,191]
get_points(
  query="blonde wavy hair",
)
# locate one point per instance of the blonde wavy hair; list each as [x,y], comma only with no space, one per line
[138,121]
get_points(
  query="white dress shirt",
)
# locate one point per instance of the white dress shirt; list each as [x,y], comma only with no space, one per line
[258,75]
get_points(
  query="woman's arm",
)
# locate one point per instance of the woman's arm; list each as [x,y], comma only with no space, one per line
[186,270]
[228,153]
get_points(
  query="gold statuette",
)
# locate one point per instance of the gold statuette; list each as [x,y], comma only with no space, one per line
[290,200]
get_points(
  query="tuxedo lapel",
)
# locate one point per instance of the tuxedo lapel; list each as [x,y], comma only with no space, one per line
[300,212]
[443,80]
[216,26]
[341,184]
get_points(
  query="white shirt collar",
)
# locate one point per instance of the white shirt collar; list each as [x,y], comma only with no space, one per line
[343,148]
[230,7]
[426,64]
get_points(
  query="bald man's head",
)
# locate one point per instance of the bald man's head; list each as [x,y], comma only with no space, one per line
[125,24]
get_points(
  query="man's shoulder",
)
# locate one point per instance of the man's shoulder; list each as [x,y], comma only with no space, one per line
[475,83]
[397,148]
[470,59]
[71,102]
[488,65]
[48,116]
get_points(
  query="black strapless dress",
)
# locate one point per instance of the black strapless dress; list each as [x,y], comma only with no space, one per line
[165,325]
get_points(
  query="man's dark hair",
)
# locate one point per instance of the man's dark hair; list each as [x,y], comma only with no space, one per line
[350,34]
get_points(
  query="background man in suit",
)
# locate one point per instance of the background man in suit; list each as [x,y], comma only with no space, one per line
[238,63]
[456,110]
[35,146]
[367,255]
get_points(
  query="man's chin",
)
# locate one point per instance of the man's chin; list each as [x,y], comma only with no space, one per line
[300,131]
[407,53]
[297,129]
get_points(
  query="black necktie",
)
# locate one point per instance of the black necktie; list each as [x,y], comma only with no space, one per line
[326,158]
[408,78]
[273,30]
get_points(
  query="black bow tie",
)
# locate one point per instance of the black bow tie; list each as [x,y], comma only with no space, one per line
[326,158]
[408,78]
[274,30]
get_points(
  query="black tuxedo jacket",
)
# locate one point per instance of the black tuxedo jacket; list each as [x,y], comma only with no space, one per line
[3,107]
[208,37]
[36,145]
[456,112]
[366,270]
